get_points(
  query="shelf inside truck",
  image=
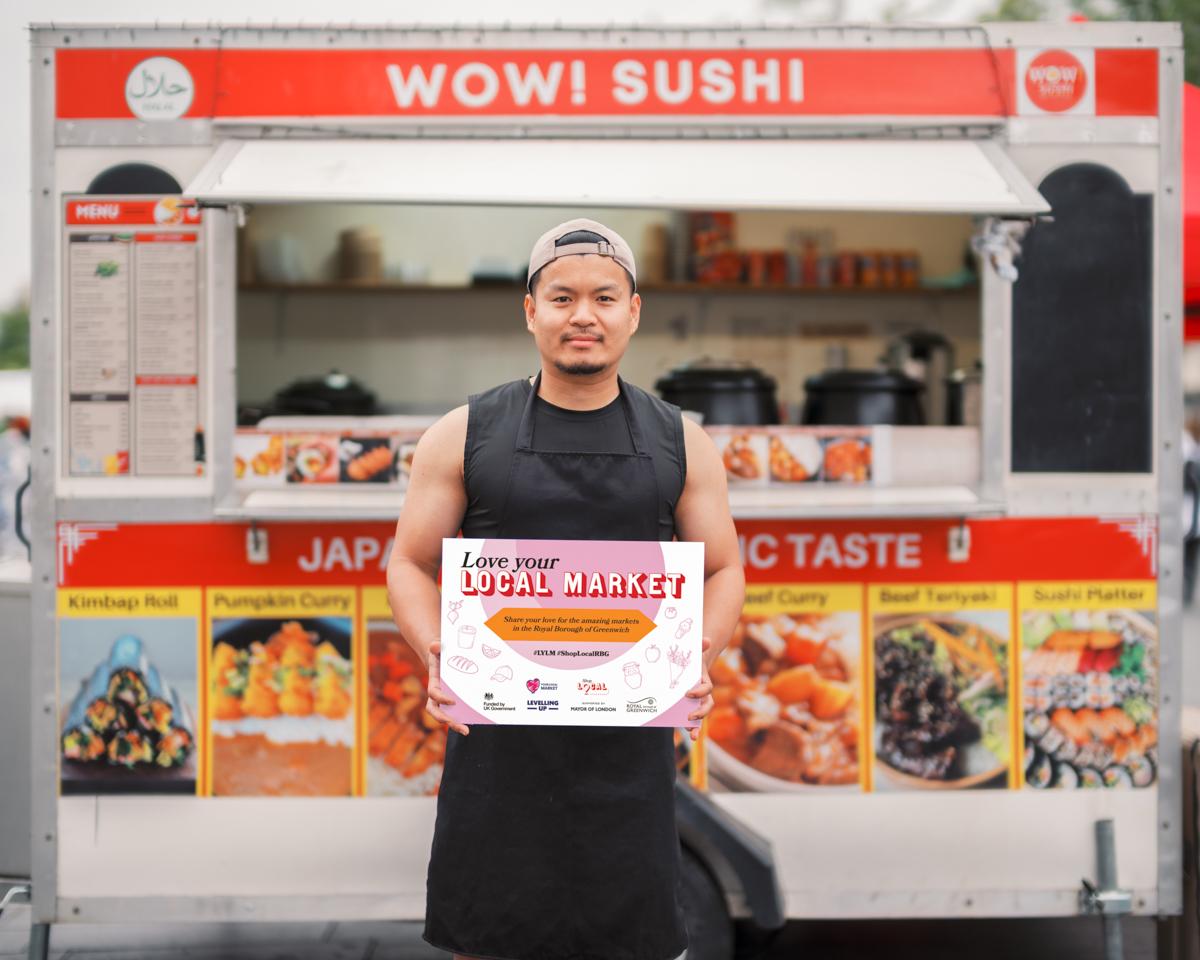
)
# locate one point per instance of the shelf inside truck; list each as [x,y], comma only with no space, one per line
[824,501]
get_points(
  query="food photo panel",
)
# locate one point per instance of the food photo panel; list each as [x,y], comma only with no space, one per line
[1089,669]
[129,692]
[942,684]
[405,745]
[787,691]
[281,692]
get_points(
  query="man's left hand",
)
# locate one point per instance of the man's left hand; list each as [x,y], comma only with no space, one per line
[701,691]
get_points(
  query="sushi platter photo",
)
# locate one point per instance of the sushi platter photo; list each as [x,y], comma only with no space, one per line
[1090,699]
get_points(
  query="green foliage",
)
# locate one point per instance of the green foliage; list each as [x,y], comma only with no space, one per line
[14,339]
[1184,12]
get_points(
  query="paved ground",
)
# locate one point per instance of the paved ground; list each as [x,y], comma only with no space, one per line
[943,940]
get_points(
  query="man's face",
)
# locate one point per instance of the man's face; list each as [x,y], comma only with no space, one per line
[582,314]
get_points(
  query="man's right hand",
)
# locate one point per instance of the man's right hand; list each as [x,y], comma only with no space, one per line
[437,696]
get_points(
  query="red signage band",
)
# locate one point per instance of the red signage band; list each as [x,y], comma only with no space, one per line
[169,84]
[166,380]
[849,551]
[168,211]
[179,237]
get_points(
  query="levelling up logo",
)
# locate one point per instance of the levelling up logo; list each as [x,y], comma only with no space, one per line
[1056,81]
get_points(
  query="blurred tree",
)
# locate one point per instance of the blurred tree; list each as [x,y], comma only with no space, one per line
[1185,12]
[14,338]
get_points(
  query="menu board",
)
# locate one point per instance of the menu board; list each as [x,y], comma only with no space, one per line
[132,338]
[867,658]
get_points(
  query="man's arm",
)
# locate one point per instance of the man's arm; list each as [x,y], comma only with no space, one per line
[702,513]
[433,510]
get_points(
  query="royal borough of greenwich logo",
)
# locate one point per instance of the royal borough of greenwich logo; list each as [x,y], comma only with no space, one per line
[159,88]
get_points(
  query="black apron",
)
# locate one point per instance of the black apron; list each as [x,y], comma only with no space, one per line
[560,843]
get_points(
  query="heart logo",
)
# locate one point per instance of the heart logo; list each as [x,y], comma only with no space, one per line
[533,684]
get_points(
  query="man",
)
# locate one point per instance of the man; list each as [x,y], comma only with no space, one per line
[556,842]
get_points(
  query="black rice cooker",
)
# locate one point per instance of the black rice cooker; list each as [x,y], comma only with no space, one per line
[334,394]
[725,392]
[862,398]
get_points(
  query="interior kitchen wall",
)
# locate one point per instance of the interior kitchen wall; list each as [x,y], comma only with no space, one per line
[425,352]
[442,244]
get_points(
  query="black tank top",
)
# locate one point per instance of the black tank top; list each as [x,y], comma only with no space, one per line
[492,423]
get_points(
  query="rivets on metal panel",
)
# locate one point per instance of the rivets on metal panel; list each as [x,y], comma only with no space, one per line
[75,910]
[45,451]
[1166,824]
[49,838]
[1169,189]
[45,192]
[45,61]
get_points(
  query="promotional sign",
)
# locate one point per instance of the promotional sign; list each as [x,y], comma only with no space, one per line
[571,632]
[233,82]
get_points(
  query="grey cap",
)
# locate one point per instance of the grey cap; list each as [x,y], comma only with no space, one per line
[613,245]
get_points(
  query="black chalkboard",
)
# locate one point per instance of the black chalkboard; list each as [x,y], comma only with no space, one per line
[1082,346]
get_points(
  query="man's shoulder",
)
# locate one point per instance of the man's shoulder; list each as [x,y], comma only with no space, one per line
[503,392]
[662,408]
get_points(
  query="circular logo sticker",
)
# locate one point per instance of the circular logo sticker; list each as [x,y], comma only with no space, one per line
[159,89]
[1055,81]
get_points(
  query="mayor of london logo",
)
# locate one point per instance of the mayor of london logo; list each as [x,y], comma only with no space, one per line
[159,88]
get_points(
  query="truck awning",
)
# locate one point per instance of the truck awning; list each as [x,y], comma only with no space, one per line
[911,176]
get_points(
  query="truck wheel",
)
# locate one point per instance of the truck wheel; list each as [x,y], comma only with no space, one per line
[709,927]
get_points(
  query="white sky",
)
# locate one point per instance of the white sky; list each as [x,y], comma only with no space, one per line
[15,15]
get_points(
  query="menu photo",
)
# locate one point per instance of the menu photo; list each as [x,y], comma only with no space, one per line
[787,691]
[405,745]
[942,686]
[1089,669]
[281,692]
[571,632]
[128,672]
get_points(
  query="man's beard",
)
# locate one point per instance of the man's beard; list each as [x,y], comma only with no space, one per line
[580,369]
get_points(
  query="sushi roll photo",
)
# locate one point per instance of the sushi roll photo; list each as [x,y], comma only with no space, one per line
[127,686]
[83,743]
[126,730]
[102,716]
[174,748]
[128,748]
[155,715]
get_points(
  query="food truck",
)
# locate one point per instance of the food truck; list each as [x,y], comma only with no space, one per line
[948,261]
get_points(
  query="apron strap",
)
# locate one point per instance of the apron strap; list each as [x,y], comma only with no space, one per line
[525,430]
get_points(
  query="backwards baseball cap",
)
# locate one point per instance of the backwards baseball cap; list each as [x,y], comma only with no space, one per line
[559,242]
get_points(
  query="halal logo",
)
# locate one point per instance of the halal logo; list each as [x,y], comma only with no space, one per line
[1055,81]
[159,88]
